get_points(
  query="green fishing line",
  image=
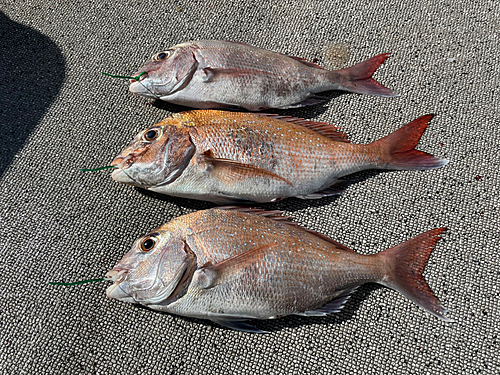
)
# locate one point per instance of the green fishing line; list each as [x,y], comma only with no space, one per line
[77,282]
[97,169]
[136,78]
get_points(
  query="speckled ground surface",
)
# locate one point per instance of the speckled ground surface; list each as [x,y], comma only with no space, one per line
[58,114]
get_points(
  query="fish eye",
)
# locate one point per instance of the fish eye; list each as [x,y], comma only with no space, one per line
[148,243]
[151,135]
[161,56]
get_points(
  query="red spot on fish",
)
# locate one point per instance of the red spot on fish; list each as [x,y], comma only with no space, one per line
[441,144]
[148,104]
[479,178]
[315,60]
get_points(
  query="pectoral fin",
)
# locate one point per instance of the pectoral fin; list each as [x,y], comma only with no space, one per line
[231,171]
[210,275]
[217,74]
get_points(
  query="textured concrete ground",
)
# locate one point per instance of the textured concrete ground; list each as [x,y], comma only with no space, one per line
[58,114]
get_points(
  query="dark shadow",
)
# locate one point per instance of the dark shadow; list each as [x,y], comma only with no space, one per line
[191,204]
[311,111]
[303,112]
[294,321]
[170,107]
[32,71]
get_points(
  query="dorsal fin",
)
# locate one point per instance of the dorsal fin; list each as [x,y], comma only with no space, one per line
[306,62]
[323,128]
[277,216]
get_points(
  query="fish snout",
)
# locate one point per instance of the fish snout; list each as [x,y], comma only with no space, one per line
[142,87]
[117,275]
[121,163]
[117,161]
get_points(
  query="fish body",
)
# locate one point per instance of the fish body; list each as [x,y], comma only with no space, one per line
[227,157]
[224,74]
[229,265]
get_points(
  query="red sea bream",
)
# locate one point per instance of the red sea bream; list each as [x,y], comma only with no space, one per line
[223,74]
[230,265]
[226,157]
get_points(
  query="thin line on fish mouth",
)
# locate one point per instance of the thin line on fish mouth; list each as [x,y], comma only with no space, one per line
[123,166]
[142,76]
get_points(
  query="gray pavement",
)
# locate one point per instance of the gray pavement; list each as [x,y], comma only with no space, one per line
[58,114]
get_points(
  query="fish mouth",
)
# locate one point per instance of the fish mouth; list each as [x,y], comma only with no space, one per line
[141,78]
[140,87]
[119,174]
[117,276]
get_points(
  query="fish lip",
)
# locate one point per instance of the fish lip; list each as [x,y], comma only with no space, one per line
[117,275]
[138,88]
[119,174]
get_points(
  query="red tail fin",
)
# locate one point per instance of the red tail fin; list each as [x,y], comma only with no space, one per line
[405,264]
[399,151]
[359,77]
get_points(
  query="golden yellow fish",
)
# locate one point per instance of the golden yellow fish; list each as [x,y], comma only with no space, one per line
[227,157]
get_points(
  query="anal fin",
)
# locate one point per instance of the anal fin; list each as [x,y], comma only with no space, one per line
[238,326]
[333,306]
[336,189]
[312,100]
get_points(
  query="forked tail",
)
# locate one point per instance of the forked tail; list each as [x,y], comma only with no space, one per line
[404,266]
[398,152]
[358,78]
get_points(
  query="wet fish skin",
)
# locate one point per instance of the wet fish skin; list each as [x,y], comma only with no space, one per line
[233,264]
[226,157]
[223,74]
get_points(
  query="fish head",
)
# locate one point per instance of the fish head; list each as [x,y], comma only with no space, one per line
[157,156]
[152,270]
[166,72]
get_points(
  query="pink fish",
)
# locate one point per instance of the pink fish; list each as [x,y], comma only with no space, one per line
[231,265]
[223,74]
[226,157]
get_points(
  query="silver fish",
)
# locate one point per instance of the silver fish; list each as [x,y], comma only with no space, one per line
[224,74]
[233,264]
